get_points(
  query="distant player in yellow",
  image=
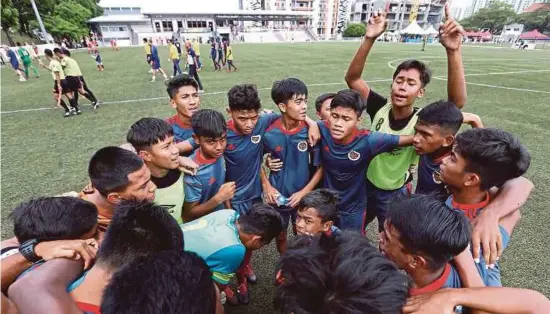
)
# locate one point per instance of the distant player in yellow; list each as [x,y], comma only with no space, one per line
[197,49]
[174,57]
[147,48]
[229,57]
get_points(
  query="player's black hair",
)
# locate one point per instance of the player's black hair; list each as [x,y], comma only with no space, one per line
[138,228]
[208,123]
[261,220]
[321,99]
[53,218]
[429,228]
[421,67]
[344,274]
[57,50]
[178,82]
[444,114]
[348,98]
[244,97]
[18,44]
[495,155]
[147,132]
[109,169]
[145,40]
[48,53]
[167,282]
[324,201]
[283,90]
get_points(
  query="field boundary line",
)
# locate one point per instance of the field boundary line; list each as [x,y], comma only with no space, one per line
[165,97]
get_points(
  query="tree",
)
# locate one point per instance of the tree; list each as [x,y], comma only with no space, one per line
[535,20]
[10,19]
[68,20]
[493,17]
[355,30]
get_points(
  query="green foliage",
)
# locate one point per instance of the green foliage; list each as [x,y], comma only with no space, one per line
[535,20]
[493,17]
[355,30]
[9,19]
[499,14]
[62,18]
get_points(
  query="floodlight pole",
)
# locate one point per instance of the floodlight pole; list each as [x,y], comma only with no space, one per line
[39,19]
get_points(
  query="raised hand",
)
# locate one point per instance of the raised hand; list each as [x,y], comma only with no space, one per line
[450,32]
[226,192]
[377,24]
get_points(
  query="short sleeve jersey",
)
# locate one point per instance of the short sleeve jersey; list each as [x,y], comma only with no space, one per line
[293,149]
[215,239]
[449,279]
[182,131]
[70,66]
[491,277]
[428,180]
[208,180]
[345,164]
[229,53]
[243,157]
[24,55]
[191,56]
[147,49]
[170,193]
[55,66]
[154,52]
[389,171]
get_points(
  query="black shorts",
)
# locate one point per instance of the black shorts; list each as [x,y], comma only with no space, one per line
[73,83]
[149,59]
[64,87]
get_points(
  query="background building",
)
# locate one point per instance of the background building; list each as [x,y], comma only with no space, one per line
[428,12]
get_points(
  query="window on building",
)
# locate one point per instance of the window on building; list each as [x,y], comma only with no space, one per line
[157,27]
[136,9]
[167,26]
[180,24]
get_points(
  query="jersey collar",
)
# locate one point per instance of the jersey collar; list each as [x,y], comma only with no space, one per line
[201,160]
[176,120]
[435,285]
[466,207]
[279,125]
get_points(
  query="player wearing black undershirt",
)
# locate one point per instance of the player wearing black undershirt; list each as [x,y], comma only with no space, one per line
[388,173]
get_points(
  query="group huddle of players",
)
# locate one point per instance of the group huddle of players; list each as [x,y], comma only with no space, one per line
[171,217]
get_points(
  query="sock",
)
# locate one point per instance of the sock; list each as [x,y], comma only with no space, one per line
[74,103]
[90,96]
[27,72]
[64,105]
[34,70]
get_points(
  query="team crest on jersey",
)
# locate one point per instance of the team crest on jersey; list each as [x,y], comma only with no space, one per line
[353,155]
[256,139]
[302,146]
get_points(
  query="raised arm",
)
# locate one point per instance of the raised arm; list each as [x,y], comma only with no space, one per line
[376,26]
[450,34]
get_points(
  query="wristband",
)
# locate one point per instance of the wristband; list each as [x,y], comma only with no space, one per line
[27,250]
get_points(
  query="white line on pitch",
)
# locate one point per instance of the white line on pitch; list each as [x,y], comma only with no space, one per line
[164,97]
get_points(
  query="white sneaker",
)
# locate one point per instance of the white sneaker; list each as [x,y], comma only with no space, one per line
[152,81]
[150,70]
[22,79]
[171,76]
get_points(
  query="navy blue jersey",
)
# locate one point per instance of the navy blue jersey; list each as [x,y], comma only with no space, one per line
[428,179]
[449,279]
[243,157]
[297,156]
[345,164]
[208,180]
[154,53]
